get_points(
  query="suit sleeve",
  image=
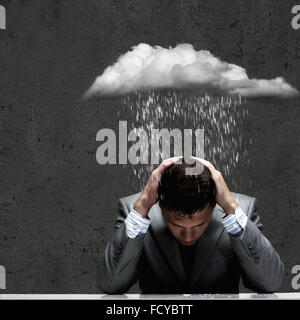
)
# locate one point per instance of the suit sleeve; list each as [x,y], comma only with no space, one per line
[118,268]
[262,269]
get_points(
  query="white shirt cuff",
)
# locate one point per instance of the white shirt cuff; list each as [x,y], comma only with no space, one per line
[235,223]
[136,225]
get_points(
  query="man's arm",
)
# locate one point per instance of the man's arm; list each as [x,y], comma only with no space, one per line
[261,266]
[118,269]
[262,269]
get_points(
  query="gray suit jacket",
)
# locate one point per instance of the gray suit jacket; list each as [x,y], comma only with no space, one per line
[220,260]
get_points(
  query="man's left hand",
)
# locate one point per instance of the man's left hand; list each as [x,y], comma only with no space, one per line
[224,197]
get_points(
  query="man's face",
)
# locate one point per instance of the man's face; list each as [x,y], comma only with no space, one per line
[185,230]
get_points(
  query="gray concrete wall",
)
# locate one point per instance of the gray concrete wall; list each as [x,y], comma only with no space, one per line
[57,204]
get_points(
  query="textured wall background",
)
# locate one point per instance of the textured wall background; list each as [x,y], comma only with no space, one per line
[57,204]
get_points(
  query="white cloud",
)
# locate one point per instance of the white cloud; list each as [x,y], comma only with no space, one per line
[147,67]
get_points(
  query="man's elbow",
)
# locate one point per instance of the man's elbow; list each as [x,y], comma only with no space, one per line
[108,286]
[109,289]
[103,283]
[274,284]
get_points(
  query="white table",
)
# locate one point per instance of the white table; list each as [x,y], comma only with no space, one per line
[241,296]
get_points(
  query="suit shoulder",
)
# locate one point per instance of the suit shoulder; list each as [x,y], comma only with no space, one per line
[243,197]
[130,200]
[244,201]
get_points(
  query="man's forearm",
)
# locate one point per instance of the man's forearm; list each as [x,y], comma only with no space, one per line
[142,206]
[118,269]
[262,267]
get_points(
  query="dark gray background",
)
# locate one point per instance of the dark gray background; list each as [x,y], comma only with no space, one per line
[57,204]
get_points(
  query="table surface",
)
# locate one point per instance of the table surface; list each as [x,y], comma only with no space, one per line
[241,296]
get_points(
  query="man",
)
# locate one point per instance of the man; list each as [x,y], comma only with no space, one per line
[188,234]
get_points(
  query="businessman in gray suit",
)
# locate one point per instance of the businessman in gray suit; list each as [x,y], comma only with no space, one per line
[188,234]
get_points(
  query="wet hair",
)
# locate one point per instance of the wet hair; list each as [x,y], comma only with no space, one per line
[184,194]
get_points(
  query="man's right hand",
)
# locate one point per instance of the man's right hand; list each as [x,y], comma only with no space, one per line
[148,196]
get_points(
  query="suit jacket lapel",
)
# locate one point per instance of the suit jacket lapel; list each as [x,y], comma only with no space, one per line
[206,244]
[170,248]
[168,244]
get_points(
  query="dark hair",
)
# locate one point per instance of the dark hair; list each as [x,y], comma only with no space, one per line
[182,193]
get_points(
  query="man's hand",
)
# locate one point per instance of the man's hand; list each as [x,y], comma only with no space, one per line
[224,197]
[148,196]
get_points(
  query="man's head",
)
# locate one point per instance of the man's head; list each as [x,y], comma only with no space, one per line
[187,201]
